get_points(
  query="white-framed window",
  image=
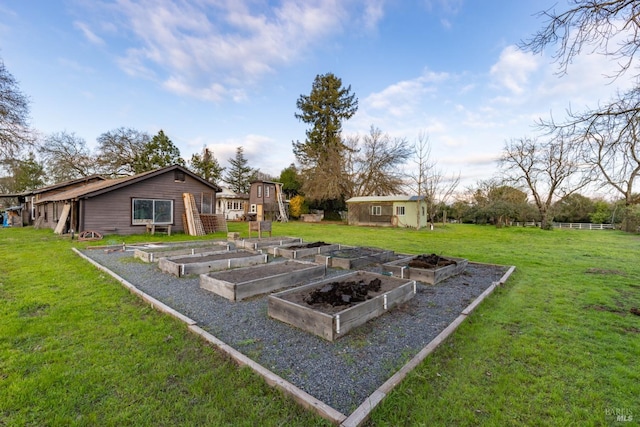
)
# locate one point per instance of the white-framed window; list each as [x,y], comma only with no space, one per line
[33,208]
[151,211]
[254,208]
[376,210]
[234,206]
[400,210]
[267,191]
[259,191]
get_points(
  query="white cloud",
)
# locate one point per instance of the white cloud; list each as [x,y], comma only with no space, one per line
[197,48]
[402,98]
[88,34]
[513,69]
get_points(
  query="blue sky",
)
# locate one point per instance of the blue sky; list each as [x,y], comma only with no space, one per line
[227,73]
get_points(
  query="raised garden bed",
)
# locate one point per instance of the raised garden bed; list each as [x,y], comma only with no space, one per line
[256,243]
[246,282]
[302,250]
[206,262]
[354,258]
[353,299]
[429,269]
[153,252]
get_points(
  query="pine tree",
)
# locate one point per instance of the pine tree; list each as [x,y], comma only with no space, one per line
[207,166]
[239,175]
[160,152]
[322,154]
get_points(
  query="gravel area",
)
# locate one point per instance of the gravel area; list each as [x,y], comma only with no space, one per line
[343,373]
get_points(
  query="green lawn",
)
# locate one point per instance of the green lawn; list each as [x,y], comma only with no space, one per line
[557,345]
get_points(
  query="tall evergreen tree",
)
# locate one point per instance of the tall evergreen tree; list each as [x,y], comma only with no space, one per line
[160,152]
[322,154]
[239,175]
[206,165]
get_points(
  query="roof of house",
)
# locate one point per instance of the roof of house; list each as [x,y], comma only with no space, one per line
[59,185]
[396,198]
[100,187]
[228,193]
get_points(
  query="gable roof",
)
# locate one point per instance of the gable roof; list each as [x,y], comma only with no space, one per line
[57,186]
[101,187]
[396,198]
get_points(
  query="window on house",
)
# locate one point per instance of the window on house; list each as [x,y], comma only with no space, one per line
[423,211]
[234,206]
[259,191]
[400,210]
[55,211]
[33,208]
[254,208]
[206,203]
[266,191]
[178,176]
[376,210]
[152,211]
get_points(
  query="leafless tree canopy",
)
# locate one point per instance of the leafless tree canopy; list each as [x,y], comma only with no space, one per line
[428,180]
[608,27]
[14,113]
[375,164]
[119,149]
[67,157]
[550,170]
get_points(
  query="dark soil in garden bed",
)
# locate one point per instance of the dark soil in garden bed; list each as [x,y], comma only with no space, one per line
[333,297]
[430,261]
[343,293]
[308,245]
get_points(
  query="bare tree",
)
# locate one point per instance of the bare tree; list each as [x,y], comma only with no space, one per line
[610,27]
[428,181]
[119,149]
[14,112]
[550,170]
[375,164]
[67,157]
[608,132]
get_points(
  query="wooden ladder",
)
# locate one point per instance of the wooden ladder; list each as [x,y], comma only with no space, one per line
[283,212]
[194,222]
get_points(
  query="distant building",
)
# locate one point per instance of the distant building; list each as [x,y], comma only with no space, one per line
[266,201]
[120,206]
[387,211]
[233,205]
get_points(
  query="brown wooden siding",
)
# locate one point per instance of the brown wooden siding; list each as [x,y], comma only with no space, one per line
[360,213]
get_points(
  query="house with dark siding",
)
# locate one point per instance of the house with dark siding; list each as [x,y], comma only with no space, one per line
[127,205]
[266,201]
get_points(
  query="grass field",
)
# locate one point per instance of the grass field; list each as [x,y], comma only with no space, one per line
[557,345]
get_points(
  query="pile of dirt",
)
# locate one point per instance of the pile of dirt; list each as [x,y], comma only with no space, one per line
[308,245]
[430,261]
[343,293]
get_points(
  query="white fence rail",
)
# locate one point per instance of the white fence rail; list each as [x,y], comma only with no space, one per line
[583,226]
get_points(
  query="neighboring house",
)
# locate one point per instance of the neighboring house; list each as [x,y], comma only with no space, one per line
[126,205]
[266,201]
[28,199]
[387,211]
[233,205]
